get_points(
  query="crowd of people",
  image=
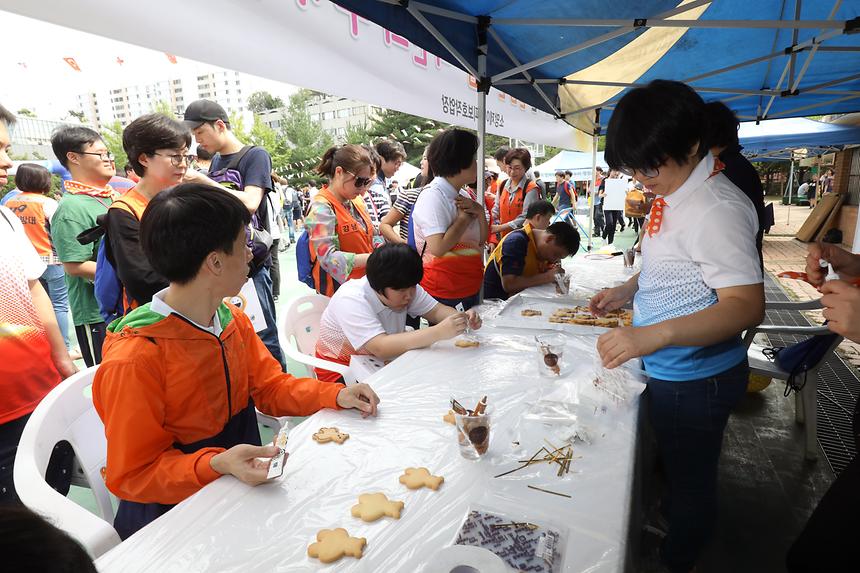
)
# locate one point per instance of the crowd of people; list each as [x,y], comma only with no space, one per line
[142,276]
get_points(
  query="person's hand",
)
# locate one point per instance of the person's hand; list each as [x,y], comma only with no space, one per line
[64,364]
[358,396]
[548,276]
[607,300]
[191,176]
[841,303]
[474,319]
[840,259]
[623,343]
[467,205]
[452,325]
[242,463]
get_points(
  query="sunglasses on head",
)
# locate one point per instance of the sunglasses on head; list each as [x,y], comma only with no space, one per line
[360,181]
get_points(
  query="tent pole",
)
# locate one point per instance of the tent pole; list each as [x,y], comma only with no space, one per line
[790,189]
[593,180]
[483,90]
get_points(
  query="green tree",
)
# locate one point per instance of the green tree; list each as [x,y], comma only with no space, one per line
[164,108]
[112,136]
[79,115]
[307,139]
[272,141]
[412,131]
[261,101]
[24,112]
[357,133]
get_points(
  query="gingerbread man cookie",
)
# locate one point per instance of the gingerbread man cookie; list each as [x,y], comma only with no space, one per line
[449,417]
[372,506]
[332,544]
[325,435]
[415,478]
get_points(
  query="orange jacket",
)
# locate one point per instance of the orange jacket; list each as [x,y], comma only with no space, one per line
[164,381]
[351,239]
[510,209]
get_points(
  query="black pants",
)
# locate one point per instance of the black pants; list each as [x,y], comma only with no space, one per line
[91,337]
[599,220]
[612,218]
[275,270]
[638,223]
[58,474]
[827,543]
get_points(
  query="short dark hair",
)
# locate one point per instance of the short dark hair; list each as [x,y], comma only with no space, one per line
[540,208]
[32,178]
[375,158]
[152,132]
[654,123]
[72,138]
[28,542]
[536,173]
[182,225]
[522,154]
[452,151]
[559,174]
[6,116]
[722,125]
[128,168]
[500,153]
[390,150]
[568,172]
[394,265]
[565,235]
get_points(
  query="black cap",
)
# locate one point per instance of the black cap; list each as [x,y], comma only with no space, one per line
[199,112]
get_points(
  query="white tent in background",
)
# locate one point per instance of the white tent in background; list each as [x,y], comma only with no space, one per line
[405,174]
[577,162]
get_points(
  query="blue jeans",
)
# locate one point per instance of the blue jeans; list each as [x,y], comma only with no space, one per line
[54,284]
[269,336]
[689,419]
[287,213]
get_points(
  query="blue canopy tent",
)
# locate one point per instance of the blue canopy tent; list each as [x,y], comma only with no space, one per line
[776,138]
[786,58]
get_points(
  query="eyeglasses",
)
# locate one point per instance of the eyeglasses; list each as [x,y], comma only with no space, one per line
[360,181]
[177,159]
[104,156]
[647,173]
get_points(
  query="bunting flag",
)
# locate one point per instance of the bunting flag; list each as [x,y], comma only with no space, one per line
[119,60]
[73,64]
[170,57]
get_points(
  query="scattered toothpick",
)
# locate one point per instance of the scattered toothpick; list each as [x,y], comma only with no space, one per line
[562,456]
[548,491]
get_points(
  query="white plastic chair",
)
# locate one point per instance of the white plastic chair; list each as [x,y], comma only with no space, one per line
[805,403]
[66,413]
[301,324]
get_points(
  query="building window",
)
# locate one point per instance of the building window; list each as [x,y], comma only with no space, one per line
[315,117]
[343,113]
[328,115]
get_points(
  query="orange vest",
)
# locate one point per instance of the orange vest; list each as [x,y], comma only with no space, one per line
[134,203]
[30,209]
[508,209]
[351,238]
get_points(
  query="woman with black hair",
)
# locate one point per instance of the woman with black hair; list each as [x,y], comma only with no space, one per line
[450,227]
[368,315]
[700,287]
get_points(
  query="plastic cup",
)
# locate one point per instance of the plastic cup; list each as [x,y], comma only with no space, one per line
[473,434]
[550,354]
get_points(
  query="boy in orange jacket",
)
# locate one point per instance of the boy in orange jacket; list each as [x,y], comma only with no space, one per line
[181,376]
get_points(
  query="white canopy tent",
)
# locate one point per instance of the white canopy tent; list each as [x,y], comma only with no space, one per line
[577,162]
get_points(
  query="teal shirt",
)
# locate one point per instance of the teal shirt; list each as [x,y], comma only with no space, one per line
[77,213]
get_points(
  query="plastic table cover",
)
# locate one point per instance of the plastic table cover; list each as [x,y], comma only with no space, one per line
[229,526]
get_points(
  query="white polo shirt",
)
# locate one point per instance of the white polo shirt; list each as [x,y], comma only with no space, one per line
[355,315]
[706,242]
[435,211]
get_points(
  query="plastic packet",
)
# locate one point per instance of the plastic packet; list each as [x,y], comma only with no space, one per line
[615,386]
[526,541]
